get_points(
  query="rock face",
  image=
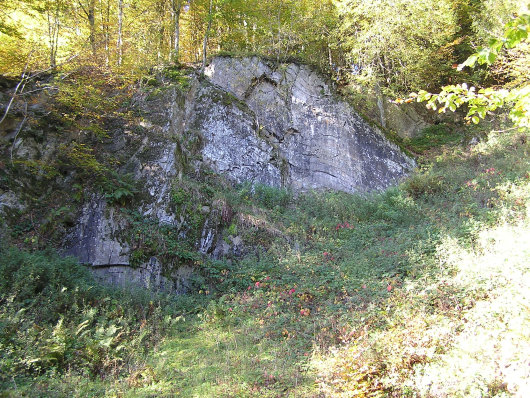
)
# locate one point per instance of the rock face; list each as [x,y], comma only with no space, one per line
[232,145]
[404,120]
[93,239]
[101,235]
[298,133]
[248,120]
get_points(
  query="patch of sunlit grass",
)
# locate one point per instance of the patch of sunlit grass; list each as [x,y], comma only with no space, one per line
[465,334]
[490,352]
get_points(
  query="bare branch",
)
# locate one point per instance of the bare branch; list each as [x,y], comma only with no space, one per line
[22,83]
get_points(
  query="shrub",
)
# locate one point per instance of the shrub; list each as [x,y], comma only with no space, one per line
[420,185]
[271,197]
[32,278]
[264,195]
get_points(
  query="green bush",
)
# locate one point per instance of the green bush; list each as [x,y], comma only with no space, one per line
[271,197]
[423,184]
[37,279]
[178,75]
[264,195]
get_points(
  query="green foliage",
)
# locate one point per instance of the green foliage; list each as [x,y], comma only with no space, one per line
[367,293]
[265,195]
[372,38]
[118,188]
[86,94]
[334,294]
[81,156]
[515,32]
[38,168]
[480,103]
[149,238]
[36,278]
[179,196]
[420,185]
[54,318]
[179,76]
[487,100]
[232,229]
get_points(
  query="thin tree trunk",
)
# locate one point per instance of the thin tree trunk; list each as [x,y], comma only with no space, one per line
[56,45]
[176,34]
[170,38]
[254,28]
[53,35]
[50,40]
[91,16]
[120,32]
[205,44]
[160,43]
[161,10]
[105,23]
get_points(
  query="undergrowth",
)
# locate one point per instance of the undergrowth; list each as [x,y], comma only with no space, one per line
[420,290]
[54,319]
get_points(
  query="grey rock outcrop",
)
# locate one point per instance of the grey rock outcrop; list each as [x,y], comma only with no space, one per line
[98,240]
[404,119]
[148,275]
[95,238]
[231,144]
[313,139]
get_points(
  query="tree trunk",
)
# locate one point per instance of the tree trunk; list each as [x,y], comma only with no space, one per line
[91,16]
[176,6]
[176,40]
[105,25]
[161,14]
[205,44]
[51,41]
[120,32]
[53,34]
[160,43]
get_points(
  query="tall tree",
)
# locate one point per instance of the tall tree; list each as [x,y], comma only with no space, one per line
[88,8]
[176,7]
[105,28]
[206,35]
[53,11]
[120,32]
[403,44]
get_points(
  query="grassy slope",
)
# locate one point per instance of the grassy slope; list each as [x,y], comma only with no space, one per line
[422,290]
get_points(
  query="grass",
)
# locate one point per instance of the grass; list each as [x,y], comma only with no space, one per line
[433,137]
[418,291]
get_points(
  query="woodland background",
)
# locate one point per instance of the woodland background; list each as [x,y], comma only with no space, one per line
[401,45]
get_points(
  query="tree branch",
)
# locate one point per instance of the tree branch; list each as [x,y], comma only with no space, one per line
[22,82]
